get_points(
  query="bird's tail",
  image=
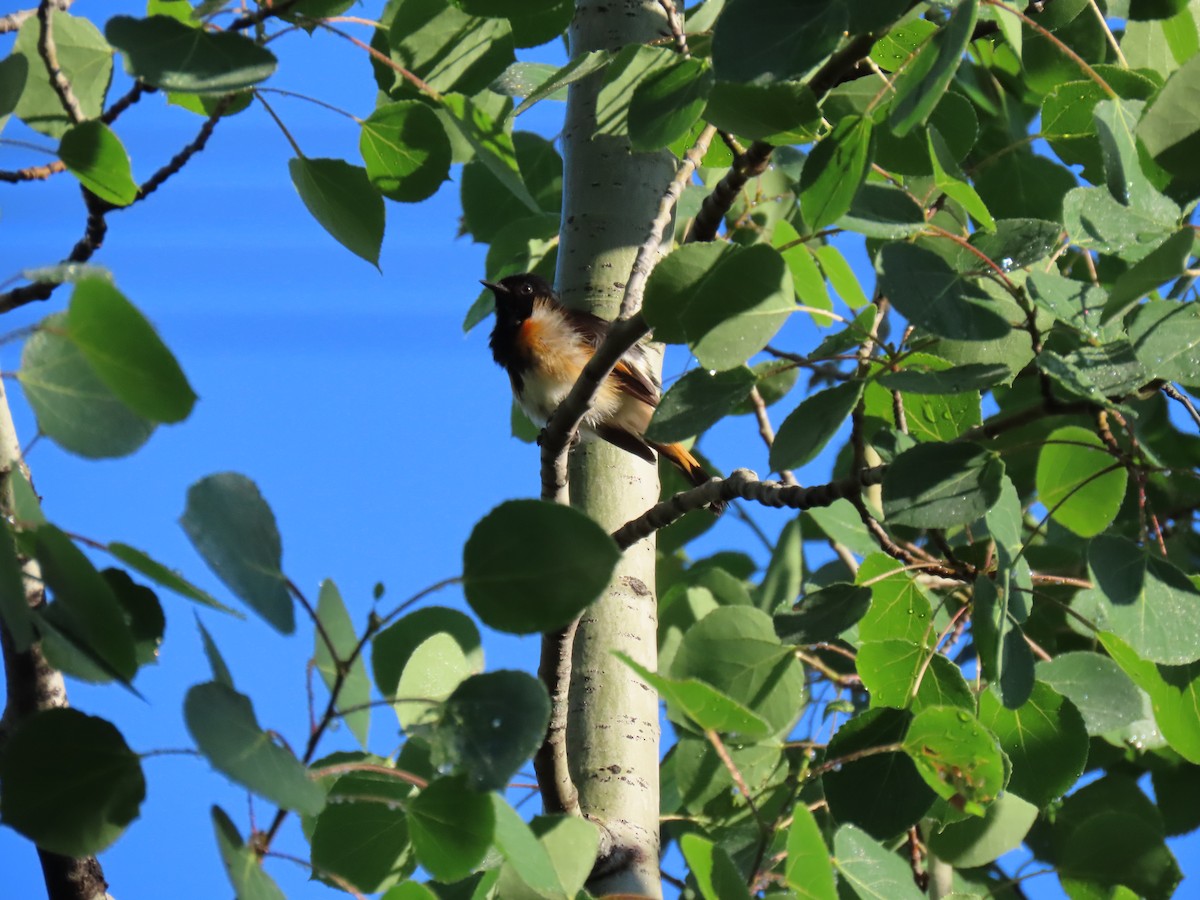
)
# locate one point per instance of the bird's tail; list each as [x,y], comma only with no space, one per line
[688,465]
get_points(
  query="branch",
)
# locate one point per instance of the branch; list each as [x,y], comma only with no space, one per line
[626,331]
[1175,394]
[749,165]
[745,485]
[97,227]
[49,54]
[14,20]
[559,794]
[264,12]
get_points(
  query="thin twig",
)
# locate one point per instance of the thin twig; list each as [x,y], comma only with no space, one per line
[49,54]
[1177,395]
[766,431]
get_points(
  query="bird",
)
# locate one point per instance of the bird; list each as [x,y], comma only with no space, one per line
[544,345]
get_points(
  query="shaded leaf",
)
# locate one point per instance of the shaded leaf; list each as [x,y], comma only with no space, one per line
[225,729]
[165,53]
[97,158]
[532,566]
[329,657]
[70,782]
[406,151]
[451,827]
[232,527]
[941,485]
[344,202]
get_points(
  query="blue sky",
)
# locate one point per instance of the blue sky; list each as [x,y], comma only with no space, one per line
[377,431]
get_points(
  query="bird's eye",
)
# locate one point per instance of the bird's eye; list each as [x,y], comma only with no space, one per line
[527,288]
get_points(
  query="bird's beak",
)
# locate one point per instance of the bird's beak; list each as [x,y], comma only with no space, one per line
[494,288]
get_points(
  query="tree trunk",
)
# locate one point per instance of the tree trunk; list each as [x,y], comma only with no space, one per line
[32,685]
[610,199]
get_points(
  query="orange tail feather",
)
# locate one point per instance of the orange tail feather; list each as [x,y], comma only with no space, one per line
[688,465]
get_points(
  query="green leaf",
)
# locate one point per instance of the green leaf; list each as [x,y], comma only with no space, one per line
[85,609]
[492,146]
[823,615]
[71,783]
[532,566]
[782,109]
[834,171]
[1111,833]
[634,64]
[717,878]
[97,158]
[15,614]
[126,353]
[166,54]
[1079,481]
[1095,373]
[869,870]
[951,181]
[572,842]
[705,706]
[409,890]
[922,83]
[74,408]
[527,858]
[900,607]
[168,578]
[436,667]
[356,687]
[1094,220]
[979,841]
[667,102]
[1144,600]
[452,828]
[931,295]
[809,870]
[901,674]
[741,305]
[216,662]
[363,843]
[492,724]
[232,527]
[812,424]
[393,649]
[1166,262]
[1004,655]
[881,793]
[763,41]
[1115,122]
[1104,695]
[1045,739]
[734,649]
[1169,130]
[444,46]
[1166,339]
[249,880]
[1073,303]
[780,586]
[956,756]
[673,284]
[83,56]
[225,729]
[343,201]
[1174,695]
[697,401]
[882,211]
[580,67]
[941,485]
[926,377]
[406,151]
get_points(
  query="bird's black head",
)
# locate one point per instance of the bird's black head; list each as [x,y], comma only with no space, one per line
[515,295]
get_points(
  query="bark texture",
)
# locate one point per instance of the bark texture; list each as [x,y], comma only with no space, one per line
[611,197]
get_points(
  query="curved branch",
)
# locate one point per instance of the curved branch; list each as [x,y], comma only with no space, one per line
[743,484]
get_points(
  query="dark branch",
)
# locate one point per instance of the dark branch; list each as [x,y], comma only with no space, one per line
[49,54]
[745,485]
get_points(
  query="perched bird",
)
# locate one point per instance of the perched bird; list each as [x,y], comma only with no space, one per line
[544,345]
